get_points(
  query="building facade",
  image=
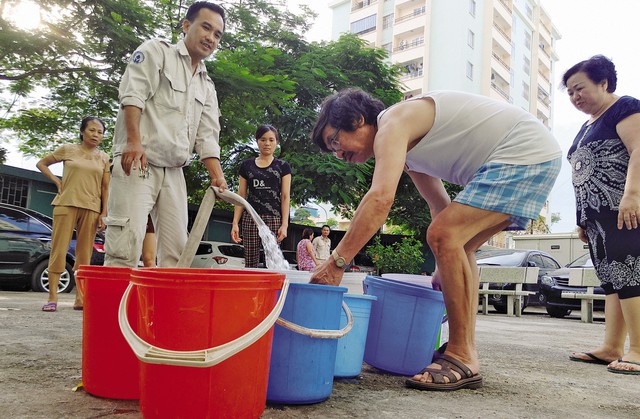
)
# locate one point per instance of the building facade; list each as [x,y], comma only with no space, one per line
[498,48]
[504,49]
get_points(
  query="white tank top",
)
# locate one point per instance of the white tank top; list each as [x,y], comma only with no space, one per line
[470,130]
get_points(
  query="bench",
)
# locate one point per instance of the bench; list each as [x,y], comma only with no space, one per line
[584,278]
[503,275]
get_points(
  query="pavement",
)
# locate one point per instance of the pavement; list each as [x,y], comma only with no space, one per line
[525,367]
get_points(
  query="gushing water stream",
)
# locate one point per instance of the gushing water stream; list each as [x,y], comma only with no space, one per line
[272,253]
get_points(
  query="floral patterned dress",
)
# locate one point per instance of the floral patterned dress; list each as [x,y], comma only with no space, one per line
[305,261]
[599,161]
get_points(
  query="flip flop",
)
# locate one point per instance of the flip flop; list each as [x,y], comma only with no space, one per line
[628,372]
[80,308]
[50,307]
[592,359]
[448,366]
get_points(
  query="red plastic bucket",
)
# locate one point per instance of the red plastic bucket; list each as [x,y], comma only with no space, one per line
[109,366]
[182,311]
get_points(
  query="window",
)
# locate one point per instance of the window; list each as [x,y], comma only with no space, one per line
[387,21]
[527,66]
[364,25]
[525,91]
[471,39]
[527,40]
[469,70]
[472,8]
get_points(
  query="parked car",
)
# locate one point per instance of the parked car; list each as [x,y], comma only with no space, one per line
[24,262]
[26,223]
[518,258]
[555,282]
[211,254]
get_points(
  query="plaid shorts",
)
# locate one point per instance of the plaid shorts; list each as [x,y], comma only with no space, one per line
[518,190]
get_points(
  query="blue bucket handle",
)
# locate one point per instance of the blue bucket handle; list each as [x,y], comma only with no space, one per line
[200,358]
[318,333]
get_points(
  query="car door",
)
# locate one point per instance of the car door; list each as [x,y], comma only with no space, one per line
[19,223]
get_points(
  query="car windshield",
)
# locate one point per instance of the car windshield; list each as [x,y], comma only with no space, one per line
[500,258]
[583,261]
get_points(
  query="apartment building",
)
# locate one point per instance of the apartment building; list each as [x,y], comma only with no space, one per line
[497,48]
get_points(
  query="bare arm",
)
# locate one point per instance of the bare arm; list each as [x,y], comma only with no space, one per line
[285,202]
[133,151]
[237,211]
[104,188]
[629,211]
[43,166]
[312,252]
[432,190]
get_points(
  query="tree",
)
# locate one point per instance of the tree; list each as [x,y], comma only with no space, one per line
[301,216]
[264,72]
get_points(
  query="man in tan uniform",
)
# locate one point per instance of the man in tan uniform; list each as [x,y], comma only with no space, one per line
[168,108]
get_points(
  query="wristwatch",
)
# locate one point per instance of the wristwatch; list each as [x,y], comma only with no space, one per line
[337,259]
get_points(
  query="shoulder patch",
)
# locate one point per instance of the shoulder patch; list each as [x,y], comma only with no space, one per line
[137,57]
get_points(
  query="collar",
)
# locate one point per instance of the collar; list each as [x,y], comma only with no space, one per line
[184,52]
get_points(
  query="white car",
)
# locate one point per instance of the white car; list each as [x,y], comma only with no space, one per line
[219,255]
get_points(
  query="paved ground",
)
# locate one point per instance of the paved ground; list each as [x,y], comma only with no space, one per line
[524,363]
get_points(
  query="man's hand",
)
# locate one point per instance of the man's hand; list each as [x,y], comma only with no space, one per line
[327,274]
[133,158]
[221,183]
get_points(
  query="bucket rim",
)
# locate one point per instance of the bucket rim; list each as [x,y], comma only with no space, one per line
[212,279]
[319,286]
[361,296]
[404,287]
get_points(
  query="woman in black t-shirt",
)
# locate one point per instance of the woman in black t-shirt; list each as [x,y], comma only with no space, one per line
[265,183]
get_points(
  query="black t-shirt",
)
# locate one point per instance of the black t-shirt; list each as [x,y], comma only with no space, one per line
[264,185]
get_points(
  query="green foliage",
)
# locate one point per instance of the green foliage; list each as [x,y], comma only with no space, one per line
[264,72]
[404,256]
[301,216]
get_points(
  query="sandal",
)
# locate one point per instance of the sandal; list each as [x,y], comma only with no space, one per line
[448,366]
[50,307]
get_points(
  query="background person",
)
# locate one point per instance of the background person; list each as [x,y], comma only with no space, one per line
[265,182]
[80,203]
[305,254]
[605,159]
[322,245]
[506,159]
[168,108]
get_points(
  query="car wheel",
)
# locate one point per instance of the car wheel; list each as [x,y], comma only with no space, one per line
[558,312]
[40,278]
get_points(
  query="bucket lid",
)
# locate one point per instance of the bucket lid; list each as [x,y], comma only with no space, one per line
[404,287]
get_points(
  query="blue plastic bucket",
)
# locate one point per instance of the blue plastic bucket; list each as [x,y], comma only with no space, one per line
[403,326]
[351,347]
[301,369]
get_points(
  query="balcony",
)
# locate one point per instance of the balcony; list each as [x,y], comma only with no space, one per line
[362,4]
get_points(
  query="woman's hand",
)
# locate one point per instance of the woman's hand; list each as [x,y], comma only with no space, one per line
[582,235]
[327,274]
[101,224]
[629,212]
[282,233]
[235,233]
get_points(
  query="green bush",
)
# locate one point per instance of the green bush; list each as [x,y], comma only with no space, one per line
[404,256]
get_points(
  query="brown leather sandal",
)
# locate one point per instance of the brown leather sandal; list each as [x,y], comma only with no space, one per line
[448,366]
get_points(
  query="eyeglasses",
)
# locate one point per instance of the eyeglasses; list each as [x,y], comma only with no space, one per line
[334,142]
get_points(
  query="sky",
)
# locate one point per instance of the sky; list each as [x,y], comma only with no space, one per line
[587,28]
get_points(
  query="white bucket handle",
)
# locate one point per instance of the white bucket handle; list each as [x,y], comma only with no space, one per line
[318,333]
[199,358]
